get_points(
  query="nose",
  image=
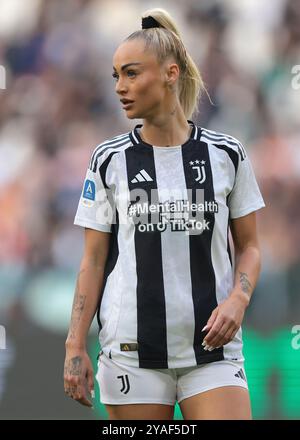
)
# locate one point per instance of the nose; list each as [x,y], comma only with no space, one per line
[121,87]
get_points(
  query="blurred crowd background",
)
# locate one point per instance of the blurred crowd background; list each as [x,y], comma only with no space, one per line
[60,102]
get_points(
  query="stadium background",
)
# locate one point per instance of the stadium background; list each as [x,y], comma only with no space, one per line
[59,103]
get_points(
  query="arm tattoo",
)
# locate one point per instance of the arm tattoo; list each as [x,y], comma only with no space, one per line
[245,283]
[78,306]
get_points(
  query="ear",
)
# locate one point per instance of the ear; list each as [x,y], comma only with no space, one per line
[171,74]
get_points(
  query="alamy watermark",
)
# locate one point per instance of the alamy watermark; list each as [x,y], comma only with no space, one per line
[150,210]
[296,79]
[2,77]
[2,338]
[296,339]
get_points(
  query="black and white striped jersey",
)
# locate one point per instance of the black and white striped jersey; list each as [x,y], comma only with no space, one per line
[169,263]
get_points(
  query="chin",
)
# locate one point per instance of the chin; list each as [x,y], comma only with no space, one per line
[133,115]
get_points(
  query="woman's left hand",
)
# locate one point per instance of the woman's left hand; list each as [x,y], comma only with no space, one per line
[224,322]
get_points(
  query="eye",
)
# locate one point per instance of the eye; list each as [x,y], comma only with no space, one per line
[131,71]
[116,76]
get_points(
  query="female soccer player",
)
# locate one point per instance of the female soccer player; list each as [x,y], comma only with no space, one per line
[157,205]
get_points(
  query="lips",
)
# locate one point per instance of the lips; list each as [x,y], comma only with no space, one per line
[127,104]
[126,101]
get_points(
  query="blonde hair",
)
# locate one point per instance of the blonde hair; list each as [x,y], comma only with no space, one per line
[166,41]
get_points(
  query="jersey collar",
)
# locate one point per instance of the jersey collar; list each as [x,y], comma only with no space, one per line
[136,138]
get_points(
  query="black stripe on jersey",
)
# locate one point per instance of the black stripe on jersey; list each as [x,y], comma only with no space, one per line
[151,308]
[104,149]
[111,261]
[217,135]
[242,152]
[228,225]
[104,144]
[235,160]
[229,140]
[228,247]
[103,167]
[231,153]
[202,271]
[113,252]
[102,172]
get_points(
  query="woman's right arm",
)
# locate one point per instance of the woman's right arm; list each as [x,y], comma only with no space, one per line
[78,371]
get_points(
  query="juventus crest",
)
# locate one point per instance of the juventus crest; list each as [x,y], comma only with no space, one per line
[200,170]
[125,383]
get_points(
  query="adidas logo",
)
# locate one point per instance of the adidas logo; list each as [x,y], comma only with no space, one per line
[241,375]
[142,176]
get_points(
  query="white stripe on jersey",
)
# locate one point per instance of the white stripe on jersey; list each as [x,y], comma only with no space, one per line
[119,306]
[176,272]
[220,258]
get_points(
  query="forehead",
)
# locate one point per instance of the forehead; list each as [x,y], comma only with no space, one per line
[133,52]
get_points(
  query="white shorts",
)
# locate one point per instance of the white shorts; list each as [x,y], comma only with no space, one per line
[122,384]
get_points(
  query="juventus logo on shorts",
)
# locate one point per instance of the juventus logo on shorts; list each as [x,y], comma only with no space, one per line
[125,384]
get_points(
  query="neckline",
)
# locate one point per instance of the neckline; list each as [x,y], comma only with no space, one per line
[138,140]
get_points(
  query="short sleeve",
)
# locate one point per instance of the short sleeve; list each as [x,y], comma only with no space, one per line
[245,196]
[95,207]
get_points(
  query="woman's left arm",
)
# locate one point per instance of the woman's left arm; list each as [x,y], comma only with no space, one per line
[227,317]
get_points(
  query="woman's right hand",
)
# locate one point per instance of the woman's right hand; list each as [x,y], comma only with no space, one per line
[78,376]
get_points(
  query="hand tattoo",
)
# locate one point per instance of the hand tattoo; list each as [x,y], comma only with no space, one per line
[74,366]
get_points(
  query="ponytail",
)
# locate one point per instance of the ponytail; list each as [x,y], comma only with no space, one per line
[166,41]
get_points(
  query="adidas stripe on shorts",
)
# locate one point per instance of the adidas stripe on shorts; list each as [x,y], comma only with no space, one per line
[122,384]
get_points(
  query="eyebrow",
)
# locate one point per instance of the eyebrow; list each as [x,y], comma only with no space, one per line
[126,65]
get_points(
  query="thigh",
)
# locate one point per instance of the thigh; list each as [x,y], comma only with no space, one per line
[223,403]
[217,390]
[140,412]
[136,393]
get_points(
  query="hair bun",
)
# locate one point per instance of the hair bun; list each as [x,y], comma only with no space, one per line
[150,22]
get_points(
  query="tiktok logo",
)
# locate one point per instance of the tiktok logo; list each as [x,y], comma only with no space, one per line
[125,383]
